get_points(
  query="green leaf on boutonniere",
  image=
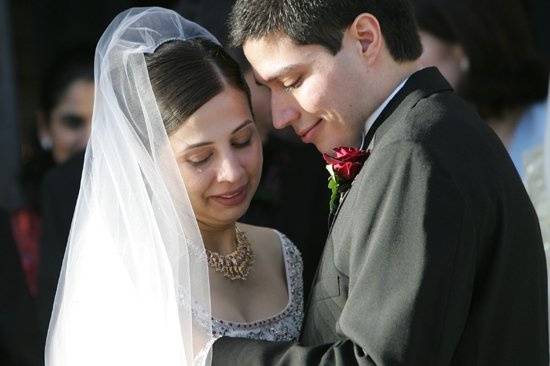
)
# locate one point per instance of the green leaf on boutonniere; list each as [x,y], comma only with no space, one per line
[334,186]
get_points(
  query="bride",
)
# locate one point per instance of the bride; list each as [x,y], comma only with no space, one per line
[157,266]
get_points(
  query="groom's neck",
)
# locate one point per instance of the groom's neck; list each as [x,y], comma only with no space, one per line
[391,75]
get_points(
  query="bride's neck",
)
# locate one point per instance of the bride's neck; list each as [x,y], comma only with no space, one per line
[218,239]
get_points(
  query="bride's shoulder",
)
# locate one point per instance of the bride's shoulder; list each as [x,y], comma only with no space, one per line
[267,239]
[260,234]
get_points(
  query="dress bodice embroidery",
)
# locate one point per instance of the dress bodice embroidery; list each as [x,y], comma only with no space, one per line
[284,326]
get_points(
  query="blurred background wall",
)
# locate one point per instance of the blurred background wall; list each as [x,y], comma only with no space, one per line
[10,197]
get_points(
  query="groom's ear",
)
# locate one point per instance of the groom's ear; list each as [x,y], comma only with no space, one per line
[366,34]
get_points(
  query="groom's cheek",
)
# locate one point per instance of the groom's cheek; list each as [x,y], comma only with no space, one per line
[284,112]
[314,95]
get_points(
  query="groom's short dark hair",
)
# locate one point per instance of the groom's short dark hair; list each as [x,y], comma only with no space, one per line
[323,22]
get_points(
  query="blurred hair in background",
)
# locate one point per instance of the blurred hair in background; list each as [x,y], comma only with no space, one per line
[491,43]
[486,50]
[66,101]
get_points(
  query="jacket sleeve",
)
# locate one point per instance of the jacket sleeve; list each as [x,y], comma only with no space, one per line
[409,257]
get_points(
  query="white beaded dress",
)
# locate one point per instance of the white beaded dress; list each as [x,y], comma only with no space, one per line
[284,326]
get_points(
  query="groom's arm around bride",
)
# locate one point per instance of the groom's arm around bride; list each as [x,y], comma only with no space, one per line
[435,255]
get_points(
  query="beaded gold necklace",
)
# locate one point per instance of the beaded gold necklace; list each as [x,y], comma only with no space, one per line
[235,265]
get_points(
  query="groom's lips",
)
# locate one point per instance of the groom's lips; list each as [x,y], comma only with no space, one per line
[232,198]
[308,134]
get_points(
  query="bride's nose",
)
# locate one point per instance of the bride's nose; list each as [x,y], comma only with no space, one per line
[230,169]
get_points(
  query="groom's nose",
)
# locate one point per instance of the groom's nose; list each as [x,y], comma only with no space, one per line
[283,111]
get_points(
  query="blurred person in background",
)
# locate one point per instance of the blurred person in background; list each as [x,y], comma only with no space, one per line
[64,123]
[65,115]
[59,194]
[63,127]
[292,195]
[485,50]
[18,333]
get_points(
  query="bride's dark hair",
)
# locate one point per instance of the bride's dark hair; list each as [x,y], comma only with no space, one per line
[185,75]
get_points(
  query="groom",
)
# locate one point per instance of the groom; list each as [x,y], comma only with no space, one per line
[434,256]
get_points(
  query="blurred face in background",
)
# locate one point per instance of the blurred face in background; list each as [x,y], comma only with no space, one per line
[68,128]
[449,58]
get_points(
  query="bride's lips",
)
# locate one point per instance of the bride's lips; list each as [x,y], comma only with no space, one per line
[308,134]
[232,198]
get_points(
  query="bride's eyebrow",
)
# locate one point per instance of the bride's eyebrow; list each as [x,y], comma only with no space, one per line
[204,143]
[242,125]
[198,144]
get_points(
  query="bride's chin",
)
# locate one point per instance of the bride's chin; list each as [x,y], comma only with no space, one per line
[228,215]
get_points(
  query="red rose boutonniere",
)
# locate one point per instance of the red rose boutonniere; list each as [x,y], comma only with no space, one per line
[343,168]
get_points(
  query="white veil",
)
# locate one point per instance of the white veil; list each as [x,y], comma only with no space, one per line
[134,278]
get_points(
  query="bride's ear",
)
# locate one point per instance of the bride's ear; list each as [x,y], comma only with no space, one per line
[366,34]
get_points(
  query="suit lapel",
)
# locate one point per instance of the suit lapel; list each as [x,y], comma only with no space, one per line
[419,85]
[332,216]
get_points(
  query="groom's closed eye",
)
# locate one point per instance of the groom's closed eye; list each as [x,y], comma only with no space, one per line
[296,83]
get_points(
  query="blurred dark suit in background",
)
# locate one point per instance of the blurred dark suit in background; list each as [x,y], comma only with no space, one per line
[18,327]
[59,195]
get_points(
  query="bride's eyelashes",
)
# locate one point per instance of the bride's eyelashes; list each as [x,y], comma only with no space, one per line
[243,137]
[242,144]
[199,160]
[242,141]
[239,142]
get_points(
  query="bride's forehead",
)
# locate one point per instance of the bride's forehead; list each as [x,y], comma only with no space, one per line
[209,129]
[228,106]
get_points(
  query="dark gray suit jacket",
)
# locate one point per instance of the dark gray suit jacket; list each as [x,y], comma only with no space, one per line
[435,256]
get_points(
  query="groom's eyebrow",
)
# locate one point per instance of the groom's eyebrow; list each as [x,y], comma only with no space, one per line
[283,71]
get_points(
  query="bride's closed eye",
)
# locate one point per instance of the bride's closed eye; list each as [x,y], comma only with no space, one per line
[242,138]
[199,158]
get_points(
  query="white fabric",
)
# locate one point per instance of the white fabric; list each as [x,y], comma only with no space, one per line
[135,264]
[378,111]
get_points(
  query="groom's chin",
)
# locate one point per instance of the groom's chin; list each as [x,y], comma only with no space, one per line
[326,147]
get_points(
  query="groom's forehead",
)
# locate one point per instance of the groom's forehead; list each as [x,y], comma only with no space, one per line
[272,57]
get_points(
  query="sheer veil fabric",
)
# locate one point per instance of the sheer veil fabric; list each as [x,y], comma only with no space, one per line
[135,271]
